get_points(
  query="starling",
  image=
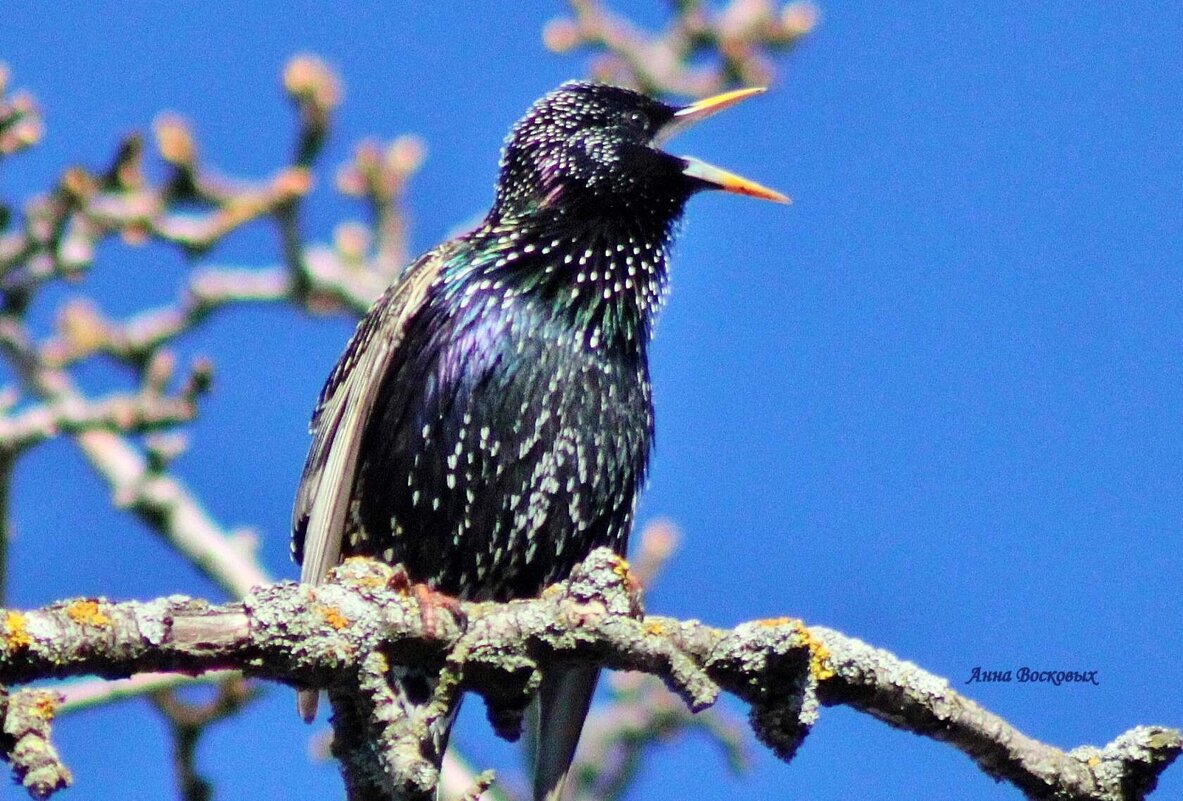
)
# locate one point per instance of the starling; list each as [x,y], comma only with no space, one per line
[490,421]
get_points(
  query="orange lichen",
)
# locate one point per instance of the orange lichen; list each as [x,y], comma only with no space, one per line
[16,631]
[1094,761]
[774,622]
[88,613]
[819,660]
[332,615]
[654,627]
[621,569]
[819,655]
[45,705]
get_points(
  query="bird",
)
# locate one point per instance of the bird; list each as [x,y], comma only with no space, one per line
[490,421]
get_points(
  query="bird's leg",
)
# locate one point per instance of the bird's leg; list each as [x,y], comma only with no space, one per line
[429,600]
[400,579]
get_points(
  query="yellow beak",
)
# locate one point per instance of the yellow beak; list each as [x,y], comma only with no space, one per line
[729,181]
[717,178]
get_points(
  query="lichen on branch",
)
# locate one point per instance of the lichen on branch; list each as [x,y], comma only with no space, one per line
[344,635]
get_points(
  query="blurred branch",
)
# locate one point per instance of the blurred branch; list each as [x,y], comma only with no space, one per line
[121,412]
[316,92]
[380,176]
[642,714]
[656,544]
[170,508]
[480,785]
[84,331]
[193,209]
[342,635]
[20,119]
[89,693]
[160,499]
[63,229]
[189,722]
[58,239]
[458,778]
[5,523]
[702,50]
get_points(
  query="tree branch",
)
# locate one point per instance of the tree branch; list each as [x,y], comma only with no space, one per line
[89,693]
[736,40]
[190,721]
[136,484]
[342,636]
[126,412]
[24,741]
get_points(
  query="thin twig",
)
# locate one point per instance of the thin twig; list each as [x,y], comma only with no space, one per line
[6,466]
[89,693]
[736,42]
[190,721]
[160,499]
[124,412]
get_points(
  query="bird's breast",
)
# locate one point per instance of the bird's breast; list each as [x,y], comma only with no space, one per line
[505,446]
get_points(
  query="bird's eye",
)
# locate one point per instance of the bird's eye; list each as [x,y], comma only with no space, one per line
[637,120]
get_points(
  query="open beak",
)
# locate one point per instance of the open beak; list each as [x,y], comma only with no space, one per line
[707,173]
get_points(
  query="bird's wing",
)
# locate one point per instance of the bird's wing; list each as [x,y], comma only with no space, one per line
[326,487]
[563,701]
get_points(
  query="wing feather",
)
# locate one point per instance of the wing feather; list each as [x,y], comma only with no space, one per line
[343,411]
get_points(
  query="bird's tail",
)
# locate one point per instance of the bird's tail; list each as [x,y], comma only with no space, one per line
[563,701]
[307,702]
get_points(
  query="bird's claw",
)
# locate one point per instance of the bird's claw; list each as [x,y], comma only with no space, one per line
[430,602]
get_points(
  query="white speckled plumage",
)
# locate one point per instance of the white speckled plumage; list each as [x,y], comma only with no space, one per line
[491,419]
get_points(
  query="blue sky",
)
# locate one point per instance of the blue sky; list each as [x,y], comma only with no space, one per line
[936,403]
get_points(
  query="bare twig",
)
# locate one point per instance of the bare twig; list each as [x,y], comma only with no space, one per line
[190,721]
[20,119]
[458,778]
[89,693]
[160,499]
[736,41]
[479,786]
[380,176]
[657,543]
[126,413]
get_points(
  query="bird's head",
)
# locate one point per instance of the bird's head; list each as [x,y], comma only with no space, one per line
[591,149]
